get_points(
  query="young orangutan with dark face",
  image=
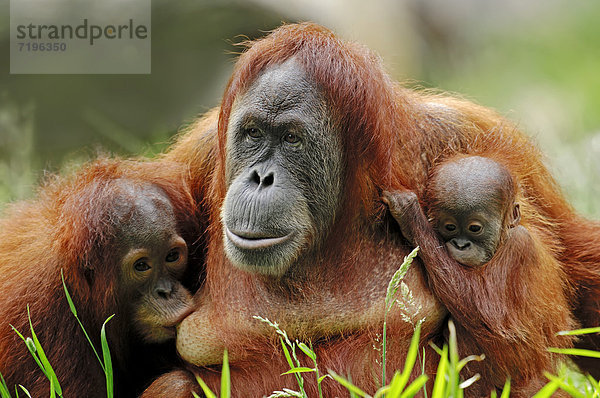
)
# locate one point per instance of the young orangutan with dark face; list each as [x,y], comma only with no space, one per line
[494,276]
[152,258]
[473,202]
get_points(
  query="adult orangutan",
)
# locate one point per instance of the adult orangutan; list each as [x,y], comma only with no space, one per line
[310,132]
[496,279]
[116,231]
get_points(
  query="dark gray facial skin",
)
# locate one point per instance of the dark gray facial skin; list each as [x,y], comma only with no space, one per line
[283,171]
[471,236]
[472,203]
[153,257]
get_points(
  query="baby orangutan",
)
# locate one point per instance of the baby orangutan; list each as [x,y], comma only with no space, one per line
[472,201]
[495,276]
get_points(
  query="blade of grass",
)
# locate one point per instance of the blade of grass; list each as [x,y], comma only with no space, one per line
[309,353]
[506,389]
[44,360]
[31,347]
[74,311]
[298,370]
[453,380]
[576,351]
[207,392]
[25,391]
[578,332]
[4,392]
[320,379]
[68,295]
[547,390]
[411,357]
[423,372]
[469,382]
[437,349]
[108,370]
[290,362]
[52,393]
[414,387]
[225,377]
[439,385]
[463,362]
[286,353]
[351,387]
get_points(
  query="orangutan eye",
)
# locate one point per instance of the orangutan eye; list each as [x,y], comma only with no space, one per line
[475,228]
[172,256]
[450,227]
[253,132]
[291,138]
[141,266]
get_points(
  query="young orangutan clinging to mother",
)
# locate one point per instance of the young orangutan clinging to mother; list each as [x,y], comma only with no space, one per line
[482,267]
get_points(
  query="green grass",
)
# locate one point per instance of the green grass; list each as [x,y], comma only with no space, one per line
[448,382]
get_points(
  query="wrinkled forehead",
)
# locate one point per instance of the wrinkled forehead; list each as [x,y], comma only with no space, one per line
[281,89]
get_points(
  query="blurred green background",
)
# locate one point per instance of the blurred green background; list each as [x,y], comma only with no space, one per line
[537,62]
